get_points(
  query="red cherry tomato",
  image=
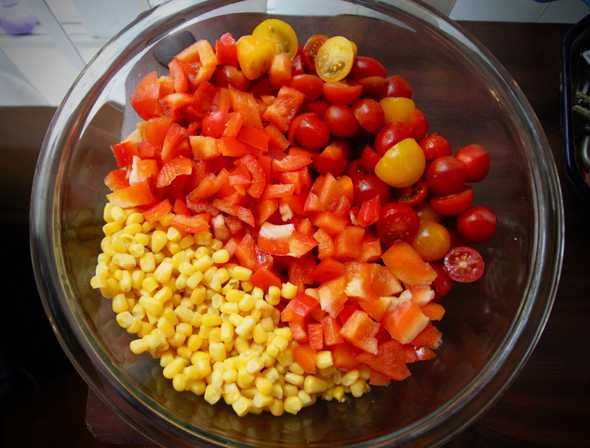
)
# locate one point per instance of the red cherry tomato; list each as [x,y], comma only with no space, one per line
[476,160]
[366,186]
[366,66]
[341,121]
[310,50]
[412,195]
[374,86]
[445,175]
[309,85]
[318,107]
[464,264]
[453,204]
[435,145]
[298,65]
[397,222]
[477,224]
[398,86]
[369,114]
[419,124]
[369,158]
[340,93]
[356,169]
[392,134]
[309,131]
[442,284]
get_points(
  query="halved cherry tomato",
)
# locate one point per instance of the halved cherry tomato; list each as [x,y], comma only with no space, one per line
[145,96]
[366,66]
[413,195]
[374,86]
[446,175]
[341,121]
[402,165]
[254,56]
[310,50]
[476,160]
[341,93]
[284,108]
[453,204]
[334,59]
[398,86]
[442,284]
[310,85]
[369,114]
[477,224]
[366,186]
[392,134]
[279,33]
[432,241]
[397,222]
[226,51]
[309,131]
[464,264]
[435,145]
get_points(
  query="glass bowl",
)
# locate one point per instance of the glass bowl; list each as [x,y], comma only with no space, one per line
[491,326]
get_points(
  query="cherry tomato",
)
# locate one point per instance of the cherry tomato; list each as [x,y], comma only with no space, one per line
[435,145]
[426,213]
[453,204]
[369,114]
[366,66]
[309,131]
[442,284]
[341,121]
[280,33]
[419,124]
[310,85]
[367,186]
[398,109]
[413,195]
[464,264]
[356,169]
[369,158]
[374,86]
[319,107]
[334,59]
[398,86]
[254,56]
[402,165]
[298,65]
[446,175]
[432,241]
[340,93]
[397,222]
[262,87]
[391,134]
[310,50]
[227,75]
[477,224]
[476,160]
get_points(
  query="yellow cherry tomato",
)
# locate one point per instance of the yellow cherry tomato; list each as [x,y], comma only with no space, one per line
[432,241]
[334,59]
[280,33]
[254,56]
[402,165]
[397,109]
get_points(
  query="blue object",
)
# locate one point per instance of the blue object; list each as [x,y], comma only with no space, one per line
[18,25]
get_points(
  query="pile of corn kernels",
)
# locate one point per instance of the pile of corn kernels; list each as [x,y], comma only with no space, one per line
[215,334]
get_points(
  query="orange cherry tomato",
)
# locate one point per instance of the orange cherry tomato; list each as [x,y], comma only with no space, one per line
[432,241]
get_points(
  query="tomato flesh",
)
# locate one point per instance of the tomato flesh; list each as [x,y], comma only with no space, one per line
[464,264]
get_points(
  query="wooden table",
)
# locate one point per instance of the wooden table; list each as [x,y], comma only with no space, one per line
[548,405]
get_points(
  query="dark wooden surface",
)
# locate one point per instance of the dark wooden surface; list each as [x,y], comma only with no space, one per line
[548,405]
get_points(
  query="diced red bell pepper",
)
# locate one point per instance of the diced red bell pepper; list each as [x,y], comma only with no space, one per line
[358,280]
[300,179]
[349,243]
[145,96]
[175,135]
[430,337]
[371,249]
[124,152]
[330,222]
[331,330]
[264,278]
[405,321]
[203,148]
[407,265]
[421,295]
[388,360]
[332,296]
[347,311]
[231,245]
[191,224]
[378,379]
[147,150]
[234,225]
[299,308]
[179,78]
[132,196]
[301,270]
[312,203]
[232,147]
[242,213]
[201,206]
[222,102]
[284,108]
[166,84]
[180,207]
[369,212]
[281,70]
[116,179]
[276,191]
[226,50]
[306,357]
[246,105]
[180,166]
[277,139]
[345,357]
[327,270]
[376,307]
[158,211]
[246,253]
[239,179]
[213,124]
[266,208]
[434,311]
[233,124]
[315,335]
[334,191]
[255,137]
[304,226]
[360,331]
[275,238]
[333,159]
[298,331]
[198,61]
[325,244]
[258,175]
[176,105]
[293,161]
[142,170]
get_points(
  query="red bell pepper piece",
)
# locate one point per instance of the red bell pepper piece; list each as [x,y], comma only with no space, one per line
[246,253]
[346,312]
[301,270]
[389,360]
[306,357]
[191,224]
[371,249]
[276,191]
[254,137]
[116,179]
[369,212]
[171,146]
[246,105]
[327,270]
[264,278]
[299,308]
[407,265]
[179,78]
[156,212]
[330,222]
[233,125]
[180,166]
[180,207]
[298,331]
[344,356]
[315,335]
[258,175]
[360,331]
[293,161]
[145,96]
[132,196]
[124,152]
[348,243]
[333,159]
[430,337]
[332,296]
[405,321]
[284,108]
[226,50]
[277,139]
[331,329]
[242,213]
[142,170]
[266,208]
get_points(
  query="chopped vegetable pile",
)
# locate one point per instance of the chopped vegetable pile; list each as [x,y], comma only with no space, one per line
[281,227]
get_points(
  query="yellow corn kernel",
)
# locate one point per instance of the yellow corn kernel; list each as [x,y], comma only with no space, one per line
[194,342]
[163,295]
[216,378]
[288,290]
[260,336]
[241,406]
[159,241]
[135,218]
[124,319]
[194,279]
[245,327]
[229,308]
[313,385]
[141,238]
[154,340]
[179,382]
[184,329]
[216,244]
[324,359]
[186,242]
[111,228]
[184,352]
[365,373]
[276,408]
[117,213]
[247,303]
[175,367]
[203,263]
[119,243]
[247,286]
[264,385]
[124,261]
[136,249]
[277,391]
[97,283]
[293,405]
[284,332]
[120,304]
[216,301]
[241,273]
[198,387]
[152,306]
[234,295]
[338,393]
[350,377]
[166,359]
[290,390]
[245,379]
[227,332]
[358,388]
[132,229]
[137,277]
[267,324]
[217,351]
[149,284]
[173,234]
[230,375]
[254,366]
[147,262]
[135,326]
[293,378]
[220,256]
[138,346]
[201,361]
[241,345]
[163,271]
[208,275]
[212,394]
[257,293]
[261,400]
[305,398]
[146,227]
[203,238]
[210,320]
[198,295]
